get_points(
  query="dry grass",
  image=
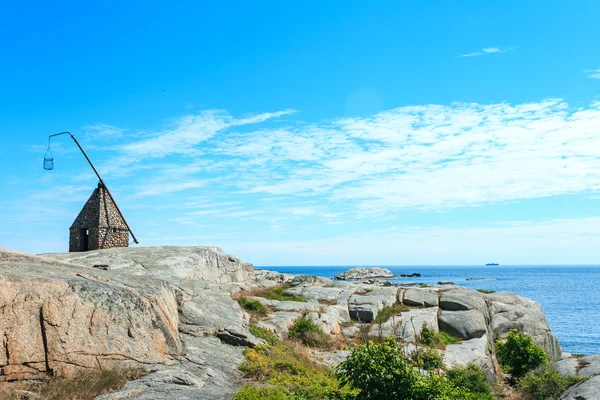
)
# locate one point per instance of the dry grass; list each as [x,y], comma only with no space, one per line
[86,385]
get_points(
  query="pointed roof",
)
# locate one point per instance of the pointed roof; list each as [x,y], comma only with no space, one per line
[99,212]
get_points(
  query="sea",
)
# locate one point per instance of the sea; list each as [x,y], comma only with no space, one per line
[569,295]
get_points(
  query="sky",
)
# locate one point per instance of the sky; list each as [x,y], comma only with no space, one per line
[309,133]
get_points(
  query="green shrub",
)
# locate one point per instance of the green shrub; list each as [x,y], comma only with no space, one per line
[387,312]
[263,333]
[427,359]
[518,355]
[249,392]
[309,333]
[428,337]
[445,338]
[289,372]
[381,371]
[278,294]
[252,306]
[486,291]
[472,379]
[545,383]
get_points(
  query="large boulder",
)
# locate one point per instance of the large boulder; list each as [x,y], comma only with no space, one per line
[170,263]
[584,367]
[460,299]
[509,311]
[59,320]
[466,324]
[419,298]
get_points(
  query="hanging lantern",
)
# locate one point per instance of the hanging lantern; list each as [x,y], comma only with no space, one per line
[48,159]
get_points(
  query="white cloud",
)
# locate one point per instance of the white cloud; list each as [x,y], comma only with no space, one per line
[594,73]
[487,50]
[430,157]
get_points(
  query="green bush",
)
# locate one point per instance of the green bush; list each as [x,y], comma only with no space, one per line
[486,291]
[263,333]
[381,371]
[278,294]
[252,306]
[518,355]
[445,338]
[289,373]
[427,359]
[472,379]
[428,337]
[387,312]
[545,383]
[309,333]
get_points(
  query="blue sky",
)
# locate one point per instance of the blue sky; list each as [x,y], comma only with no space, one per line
[310,133]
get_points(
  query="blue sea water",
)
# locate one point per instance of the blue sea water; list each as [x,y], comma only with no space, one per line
[570,295]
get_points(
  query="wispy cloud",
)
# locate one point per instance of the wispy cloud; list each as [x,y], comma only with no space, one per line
[487,50]
[427,157]
[595,73]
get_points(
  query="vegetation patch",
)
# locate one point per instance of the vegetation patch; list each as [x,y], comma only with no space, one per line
[424,286]
[284,370]
[486,291]
[381,371]
[518,355]
[473,379]
[440,340]
[387,312]
[309,333]
[427,358]
[86,385]
[252,306]
[275,293]
[263,333]
[545,383]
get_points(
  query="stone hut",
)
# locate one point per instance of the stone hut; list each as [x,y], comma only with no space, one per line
[98,225]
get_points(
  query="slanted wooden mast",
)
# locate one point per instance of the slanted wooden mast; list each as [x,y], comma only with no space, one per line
[102,200]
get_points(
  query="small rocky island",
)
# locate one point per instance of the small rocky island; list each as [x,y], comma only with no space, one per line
[178,313]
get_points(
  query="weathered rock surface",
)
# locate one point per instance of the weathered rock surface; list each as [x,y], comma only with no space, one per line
[586,390]
[470,351]
[419,298]
[467,324]
[364,273]
[509,311]
[170,263]
[57,319]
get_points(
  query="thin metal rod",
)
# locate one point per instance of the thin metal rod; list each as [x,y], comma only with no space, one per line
[99,178]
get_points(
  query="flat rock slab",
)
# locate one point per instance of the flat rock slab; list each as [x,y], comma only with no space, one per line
[324,294]
[171,263]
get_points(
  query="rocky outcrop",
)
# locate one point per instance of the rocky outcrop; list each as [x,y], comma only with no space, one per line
[364,273]
[57,319]
[169,263]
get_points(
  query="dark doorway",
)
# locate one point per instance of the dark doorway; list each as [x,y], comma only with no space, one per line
[85,240]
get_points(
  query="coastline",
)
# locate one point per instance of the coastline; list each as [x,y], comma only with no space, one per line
[546,285]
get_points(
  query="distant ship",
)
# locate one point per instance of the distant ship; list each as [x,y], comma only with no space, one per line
[492,264]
